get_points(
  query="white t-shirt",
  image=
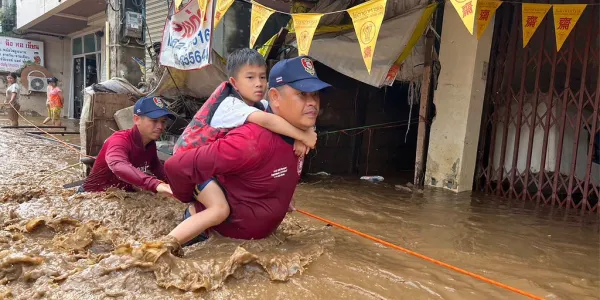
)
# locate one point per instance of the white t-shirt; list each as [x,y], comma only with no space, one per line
[14,88]
[233,112]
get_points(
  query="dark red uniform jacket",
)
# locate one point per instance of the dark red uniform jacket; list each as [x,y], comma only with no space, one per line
[122,162]
[258,170]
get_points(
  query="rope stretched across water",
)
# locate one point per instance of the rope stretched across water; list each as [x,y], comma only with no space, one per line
[421,256]
[47,133]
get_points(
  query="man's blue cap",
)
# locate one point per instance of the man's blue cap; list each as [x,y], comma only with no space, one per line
[299,73]
[152,107]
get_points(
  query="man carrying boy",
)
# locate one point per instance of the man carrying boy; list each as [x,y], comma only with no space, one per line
[234,103]
[255,167]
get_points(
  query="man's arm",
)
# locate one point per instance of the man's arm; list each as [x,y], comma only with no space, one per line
[118,162]
[237,152]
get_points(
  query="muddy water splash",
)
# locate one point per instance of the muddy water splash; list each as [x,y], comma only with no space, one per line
[57,245]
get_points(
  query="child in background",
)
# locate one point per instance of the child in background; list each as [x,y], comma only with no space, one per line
[55,101]
[233,103]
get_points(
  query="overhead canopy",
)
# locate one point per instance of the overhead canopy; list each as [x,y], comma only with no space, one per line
[393,39]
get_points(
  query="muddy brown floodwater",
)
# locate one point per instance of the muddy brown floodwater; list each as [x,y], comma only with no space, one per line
[57,245]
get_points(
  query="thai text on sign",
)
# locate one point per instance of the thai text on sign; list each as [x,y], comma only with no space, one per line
[15,52]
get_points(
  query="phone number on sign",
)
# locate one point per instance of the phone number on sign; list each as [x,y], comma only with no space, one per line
[195,57]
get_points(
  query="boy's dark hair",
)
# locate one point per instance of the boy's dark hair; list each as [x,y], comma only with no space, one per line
[241,57]
[14,75]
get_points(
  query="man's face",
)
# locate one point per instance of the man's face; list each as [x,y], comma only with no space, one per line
[251,82]
[298,108]
[150,129]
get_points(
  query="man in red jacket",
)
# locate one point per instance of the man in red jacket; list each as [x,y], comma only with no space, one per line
[256,168]
[128,155]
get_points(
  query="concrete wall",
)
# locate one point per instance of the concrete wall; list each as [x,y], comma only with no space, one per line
[57,59]
[29,10]
[459,100]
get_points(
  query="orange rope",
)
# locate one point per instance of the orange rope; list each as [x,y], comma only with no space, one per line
[437,262]
[54,137]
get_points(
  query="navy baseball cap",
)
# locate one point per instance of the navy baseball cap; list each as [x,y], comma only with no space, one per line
[299,73]
[152,107]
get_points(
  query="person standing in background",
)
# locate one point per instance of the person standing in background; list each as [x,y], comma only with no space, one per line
[55,101]
[13,92]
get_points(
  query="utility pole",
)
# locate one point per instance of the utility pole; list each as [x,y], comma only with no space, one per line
[122,49]
[424,112]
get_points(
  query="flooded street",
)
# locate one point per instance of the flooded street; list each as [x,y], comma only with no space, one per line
[57,245]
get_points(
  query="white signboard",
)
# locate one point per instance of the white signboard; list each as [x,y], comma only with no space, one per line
[187,37]
[15,52]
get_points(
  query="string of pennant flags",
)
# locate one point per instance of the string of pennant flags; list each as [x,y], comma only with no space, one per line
[367,18]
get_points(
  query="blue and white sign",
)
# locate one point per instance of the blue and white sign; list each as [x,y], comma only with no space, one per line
[187,38]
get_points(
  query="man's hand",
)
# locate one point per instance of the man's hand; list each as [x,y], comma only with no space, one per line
[310,138]
[300,149]
[164,189]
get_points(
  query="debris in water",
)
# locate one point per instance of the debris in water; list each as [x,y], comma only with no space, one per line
[373,179]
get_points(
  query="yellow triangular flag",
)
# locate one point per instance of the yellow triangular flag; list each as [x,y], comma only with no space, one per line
[367,18]
[259,16]
[203,4]
[305,26]
[177,4]
[466,11]
[533,14]
[485,12]
[565,18]
[222,7]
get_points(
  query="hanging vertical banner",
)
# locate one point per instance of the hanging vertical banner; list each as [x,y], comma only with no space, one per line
[466,10]
[533,14]
[187,39]
[565,18]
[259,16]
[367,18]
[222,7]
[305,26]
[486,10]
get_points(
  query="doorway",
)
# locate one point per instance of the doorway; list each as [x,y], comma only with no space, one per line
[87,65]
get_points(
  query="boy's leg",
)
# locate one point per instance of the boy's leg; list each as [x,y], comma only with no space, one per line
[217,211]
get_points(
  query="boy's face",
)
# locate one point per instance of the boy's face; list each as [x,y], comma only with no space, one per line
[251,82]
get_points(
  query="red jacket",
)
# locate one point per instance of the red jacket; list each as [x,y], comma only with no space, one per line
[258,171]
[122,162]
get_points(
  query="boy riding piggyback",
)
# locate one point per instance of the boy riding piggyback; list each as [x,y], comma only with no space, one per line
[233,103]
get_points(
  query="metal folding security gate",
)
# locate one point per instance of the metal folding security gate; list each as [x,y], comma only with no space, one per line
[540,131]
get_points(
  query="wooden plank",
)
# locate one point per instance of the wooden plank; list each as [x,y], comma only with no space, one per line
[54,132]
[29,127]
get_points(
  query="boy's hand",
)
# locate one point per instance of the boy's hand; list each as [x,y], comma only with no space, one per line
[172,244]
[310,138]
[300,149]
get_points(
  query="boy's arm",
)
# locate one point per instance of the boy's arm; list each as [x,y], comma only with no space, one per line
[279,125]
